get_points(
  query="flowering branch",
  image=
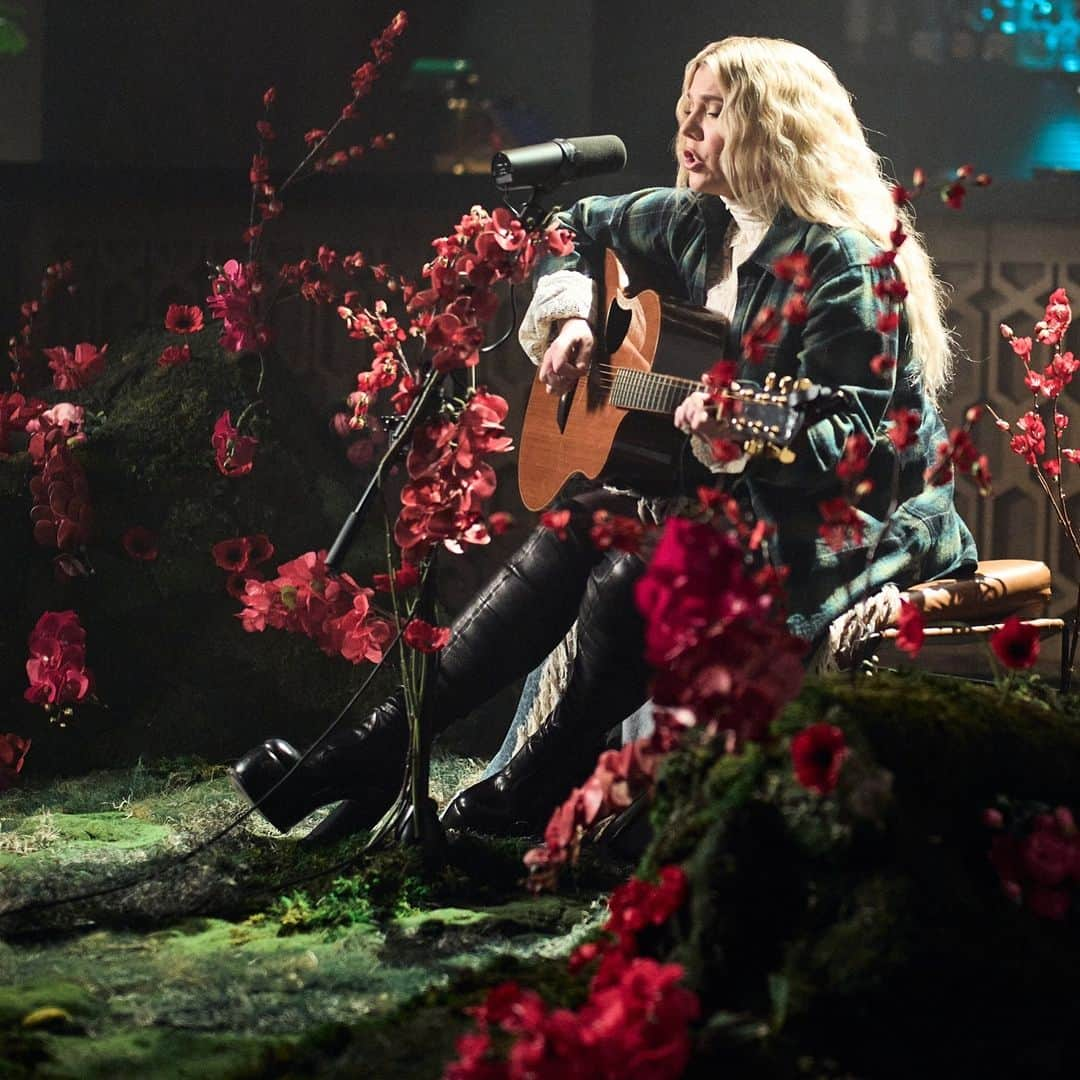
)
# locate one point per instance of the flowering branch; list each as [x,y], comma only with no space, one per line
[1029,439]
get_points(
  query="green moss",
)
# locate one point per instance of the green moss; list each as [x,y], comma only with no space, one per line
[149,462]
[838,922]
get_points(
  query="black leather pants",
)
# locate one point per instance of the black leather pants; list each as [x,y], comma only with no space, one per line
[527,608]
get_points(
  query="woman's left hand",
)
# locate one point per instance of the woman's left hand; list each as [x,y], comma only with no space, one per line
[694,417]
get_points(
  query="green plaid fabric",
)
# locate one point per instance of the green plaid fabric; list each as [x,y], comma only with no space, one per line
[912,531]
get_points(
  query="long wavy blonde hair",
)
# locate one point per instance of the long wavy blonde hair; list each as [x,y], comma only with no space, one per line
[794,140]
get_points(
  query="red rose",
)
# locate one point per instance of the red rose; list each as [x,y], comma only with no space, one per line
[818,752]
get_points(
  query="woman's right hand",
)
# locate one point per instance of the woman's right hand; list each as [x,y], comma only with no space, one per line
[568,357]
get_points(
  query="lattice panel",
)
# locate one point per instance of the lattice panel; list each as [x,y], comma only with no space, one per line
[1004,273]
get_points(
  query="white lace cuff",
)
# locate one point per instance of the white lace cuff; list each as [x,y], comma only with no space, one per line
[566,294]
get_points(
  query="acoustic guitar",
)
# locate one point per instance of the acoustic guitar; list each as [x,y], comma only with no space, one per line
[616,421]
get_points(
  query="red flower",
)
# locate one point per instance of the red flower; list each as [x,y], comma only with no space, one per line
[74,371]
[233,301]
[910,631]
[1016,644]
[1021,346]
[560,241]
[1030,443]
[408,577]
[500,522]
[887,321]
[556,520]
[1046,856]
[764,331]
[57,666]
[795,310]
[233,555]
[181,319]
[1052,328]
[794,268]
[18,413]
[62,515]
[1048,903]
[894,290]
[260,169]
[882,364]
[426,638]
[841,524]
[261,549]
[953,196]
[856,457]
[818,752]
[172,355]
[904,432]
[13,751]
[234,454]
[719,378]
[616,531]
[140,543]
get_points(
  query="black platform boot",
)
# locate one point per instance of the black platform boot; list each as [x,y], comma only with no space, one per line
[516,620]
[362,764]
[607,683]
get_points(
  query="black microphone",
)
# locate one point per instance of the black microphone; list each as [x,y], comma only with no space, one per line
[545,166]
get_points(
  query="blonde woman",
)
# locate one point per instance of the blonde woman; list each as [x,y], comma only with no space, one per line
[771,161]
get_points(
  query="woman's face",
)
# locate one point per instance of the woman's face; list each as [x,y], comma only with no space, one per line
[702,134]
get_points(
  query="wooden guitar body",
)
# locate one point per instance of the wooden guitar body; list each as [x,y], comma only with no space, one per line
[616,422]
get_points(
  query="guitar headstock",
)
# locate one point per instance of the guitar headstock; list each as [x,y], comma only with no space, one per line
[768,419]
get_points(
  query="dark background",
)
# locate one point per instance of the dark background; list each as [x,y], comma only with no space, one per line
[141,85]
[126,130]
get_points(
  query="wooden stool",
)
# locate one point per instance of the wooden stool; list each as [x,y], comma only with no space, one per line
[978,606]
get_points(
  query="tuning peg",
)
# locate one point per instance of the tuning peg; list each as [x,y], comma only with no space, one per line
[785,384]
[770,381]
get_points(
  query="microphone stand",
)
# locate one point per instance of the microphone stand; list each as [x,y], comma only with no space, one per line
[534,212]
[412,817]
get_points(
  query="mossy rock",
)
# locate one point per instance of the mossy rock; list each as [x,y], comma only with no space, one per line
[175,672]
[866,930]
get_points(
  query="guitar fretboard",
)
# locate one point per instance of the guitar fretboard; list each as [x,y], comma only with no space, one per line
[649,391]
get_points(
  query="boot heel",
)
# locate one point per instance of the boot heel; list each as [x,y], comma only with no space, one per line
[258,771]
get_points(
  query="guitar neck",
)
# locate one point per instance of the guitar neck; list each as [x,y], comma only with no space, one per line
[650,391]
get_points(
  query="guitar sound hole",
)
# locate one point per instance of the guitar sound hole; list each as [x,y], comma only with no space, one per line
[618,322]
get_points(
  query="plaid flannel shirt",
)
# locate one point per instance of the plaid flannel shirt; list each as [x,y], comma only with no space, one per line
[912,531]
